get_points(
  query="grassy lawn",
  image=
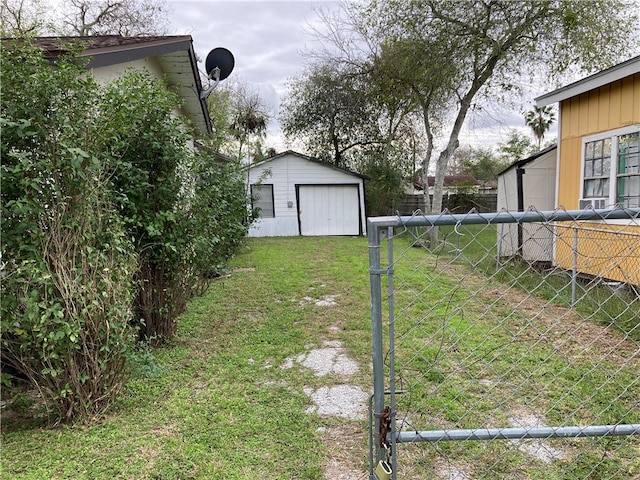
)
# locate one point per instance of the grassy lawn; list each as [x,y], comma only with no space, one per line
[216,403]
[480,346]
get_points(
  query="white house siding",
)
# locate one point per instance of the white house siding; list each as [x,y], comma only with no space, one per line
[539,183]
[333,199]
[110,73]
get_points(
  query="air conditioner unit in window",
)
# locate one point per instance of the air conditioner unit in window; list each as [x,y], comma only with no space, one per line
[595,203]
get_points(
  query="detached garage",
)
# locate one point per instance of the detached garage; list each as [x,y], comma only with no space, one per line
[299,195]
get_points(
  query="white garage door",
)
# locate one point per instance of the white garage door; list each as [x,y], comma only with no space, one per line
[329,210]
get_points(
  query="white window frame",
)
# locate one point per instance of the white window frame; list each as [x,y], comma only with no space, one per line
[255,199]
[613,173]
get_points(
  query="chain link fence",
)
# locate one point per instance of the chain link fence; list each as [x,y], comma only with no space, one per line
[506,345]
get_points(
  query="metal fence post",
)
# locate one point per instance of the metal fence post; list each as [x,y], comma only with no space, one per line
[574,270]
[375,272]
[392,358]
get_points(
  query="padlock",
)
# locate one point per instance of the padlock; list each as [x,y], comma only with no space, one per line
[383,470]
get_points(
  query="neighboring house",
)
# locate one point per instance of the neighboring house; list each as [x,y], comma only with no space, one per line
[170,58]
[598,166]
[300,195]
[528,184]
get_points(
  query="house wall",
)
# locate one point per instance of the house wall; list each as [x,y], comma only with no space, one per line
[612,106]
[105,75]
[284,174]
[110,73]
[609,107]
[603,250]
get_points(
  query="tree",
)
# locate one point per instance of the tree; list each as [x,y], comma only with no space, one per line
[540,120]
[460,53]
[22,18]
[241,118]
[353,117]
[516,147]
[115,17]
[85,17]
[327,109]
[482,163]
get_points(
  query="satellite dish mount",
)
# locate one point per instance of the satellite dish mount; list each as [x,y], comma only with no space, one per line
[219,65]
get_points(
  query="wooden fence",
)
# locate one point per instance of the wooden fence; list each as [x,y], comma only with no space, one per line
[482,202]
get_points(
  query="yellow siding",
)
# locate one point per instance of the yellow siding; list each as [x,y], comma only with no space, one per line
[627,107]
[569,117]
[607,251]
[583,113]
[604,100]
[609,107]
[612,106]
[636,98]
[569,191]
[593,110]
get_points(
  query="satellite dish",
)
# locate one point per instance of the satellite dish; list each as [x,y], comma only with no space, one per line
[219,65]
[220,61]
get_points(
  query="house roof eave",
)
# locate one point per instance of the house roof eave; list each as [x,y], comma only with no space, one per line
[597,80]
[174,52]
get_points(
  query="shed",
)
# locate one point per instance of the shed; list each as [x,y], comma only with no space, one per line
[529,183]
[300,195]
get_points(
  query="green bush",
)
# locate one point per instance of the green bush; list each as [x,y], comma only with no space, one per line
[218,215]
[111,220]
[186,213]
[152,172]
[384,189]
[67,265]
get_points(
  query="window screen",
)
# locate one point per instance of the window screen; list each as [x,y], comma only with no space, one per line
[262,200]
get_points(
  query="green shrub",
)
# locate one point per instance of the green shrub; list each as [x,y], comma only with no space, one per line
[111,220]
[150,183]
[186,213]
[384,189]
[67,265]
[218,215]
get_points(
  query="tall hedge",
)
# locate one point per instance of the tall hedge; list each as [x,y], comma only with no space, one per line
[112,219]
[67,264]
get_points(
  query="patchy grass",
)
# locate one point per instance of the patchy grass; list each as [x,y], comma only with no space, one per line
[215,403]
[479,346]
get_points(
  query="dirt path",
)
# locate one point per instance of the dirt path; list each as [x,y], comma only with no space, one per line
[340,401]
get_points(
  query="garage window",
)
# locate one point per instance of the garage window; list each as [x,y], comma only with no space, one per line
[262,200]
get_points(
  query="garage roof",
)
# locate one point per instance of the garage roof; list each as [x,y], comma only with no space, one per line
[311,159]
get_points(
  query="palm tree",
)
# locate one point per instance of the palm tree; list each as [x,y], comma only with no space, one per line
[540,120]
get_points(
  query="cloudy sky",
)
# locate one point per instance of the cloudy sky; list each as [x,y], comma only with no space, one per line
[268,38]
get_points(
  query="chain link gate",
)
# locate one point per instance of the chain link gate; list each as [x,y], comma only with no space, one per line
[505,345]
